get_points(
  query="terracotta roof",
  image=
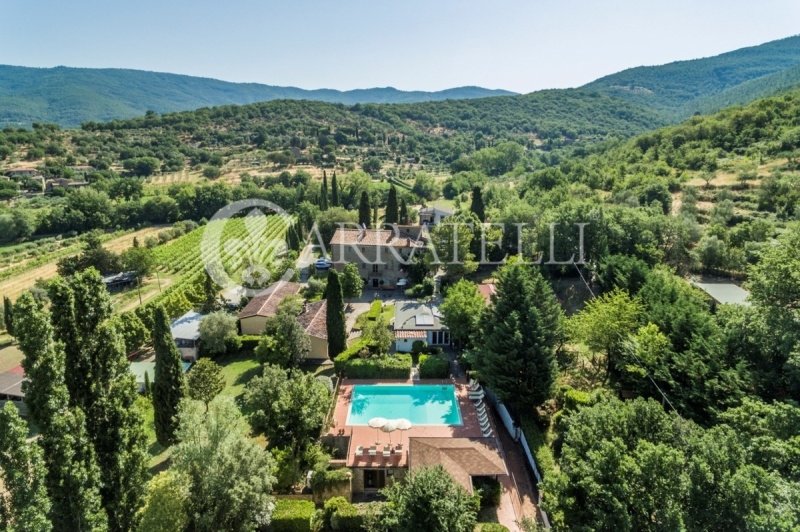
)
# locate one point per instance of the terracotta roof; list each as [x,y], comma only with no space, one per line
[410,334]
[266,303]
[463,458]
[314,319]
[404,237]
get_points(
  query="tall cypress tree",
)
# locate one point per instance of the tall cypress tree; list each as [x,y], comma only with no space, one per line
[334,191]
[8,315]
[168,385]
[364,210]
[81,312]
[73,478]
[520,332]
[323,192]
[477,204]
[26,505]
[335,319]
[403,215]
[210,292]
[392,214]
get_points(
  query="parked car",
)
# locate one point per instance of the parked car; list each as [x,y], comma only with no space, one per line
[323,264]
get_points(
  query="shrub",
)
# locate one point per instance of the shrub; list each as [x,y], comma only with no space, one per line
[292,515]
[375,310]
[249,342]
[326,478]
[381,367]
[347,518]
[433,367]
[489,490]
[352,351]
[490,527]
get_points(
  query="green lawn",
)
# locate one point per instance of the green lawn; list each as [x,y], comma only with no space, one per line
[159,456]
[237,369]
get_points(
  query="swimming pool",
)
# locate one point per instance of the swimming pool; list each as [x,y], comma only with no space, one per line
[422,404]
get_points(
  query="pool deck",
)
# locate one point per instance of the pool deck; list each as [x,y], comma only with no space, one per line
[368,437]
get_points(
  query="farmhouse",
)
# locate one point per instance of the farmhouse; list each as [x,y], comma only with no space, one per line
[186,332]
[120,281]
[253,317]
[380,254]
[416,321]
[313,319]
[433,215]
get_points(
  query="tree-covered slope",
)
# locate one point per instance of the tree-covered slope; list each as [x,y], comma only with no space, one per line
[674,87]
[69,96]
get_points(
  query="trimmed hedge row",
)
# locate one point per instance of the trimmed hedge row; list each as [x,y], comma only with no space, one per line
[249,342]
[433,367]
[351,352]
[379,367]
[292,515]
[490,527]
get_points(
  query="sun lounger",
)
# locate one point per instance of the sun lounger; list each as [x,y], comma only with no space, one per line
[373,451]
[359,450]
[387,451]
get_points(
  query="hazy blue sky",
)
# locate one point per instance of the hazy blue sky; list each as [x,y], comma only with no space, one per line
[410,44]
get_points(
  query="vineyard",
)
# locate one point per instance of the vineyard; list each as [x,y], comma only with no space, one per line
[248,249]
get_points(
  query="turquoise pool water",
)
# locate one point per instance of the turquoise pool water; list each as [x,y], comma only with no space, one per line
[422,404]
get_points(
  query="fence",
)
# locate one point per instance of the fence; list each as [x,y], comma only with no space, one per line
[516,433]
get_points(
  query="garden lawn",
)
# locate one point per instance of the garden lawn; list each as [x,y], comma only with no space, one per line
[237,369]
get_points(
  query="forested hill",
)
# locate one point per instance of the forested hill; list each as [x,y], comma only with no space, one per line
[678,89]
[69,96]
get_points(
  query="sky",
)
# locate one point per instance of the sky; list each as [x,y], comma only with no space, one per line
[518,45]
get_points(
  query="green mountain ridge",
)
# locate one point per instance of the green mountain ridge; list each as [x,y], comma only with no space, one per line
[680,88]
[69,96]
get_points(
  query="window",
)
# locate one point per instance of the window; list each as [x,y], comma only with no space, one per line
[374,268]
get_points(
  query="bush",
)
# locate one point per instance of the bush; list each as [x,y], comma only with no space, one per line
[433,367]
[249,342]
[326,478]
[490,527]
[347,518]
[292,515]
[489,490]
[375,310]
[352,351]
[380,367]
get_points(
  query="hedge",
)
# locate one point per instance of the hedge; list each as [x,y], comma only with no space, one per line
[349,353]
[433,367]
[292,515]
[249,342]
[490,527]
[379,367]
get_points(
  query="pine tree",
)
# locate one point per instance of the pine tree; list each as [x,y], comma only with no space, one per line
[8,315]
[335,319]
[26,503]
[392,215]
[323,193]
[403,215]
[520,333]
[364,210]
[334,191]
[477,204]
[168,386]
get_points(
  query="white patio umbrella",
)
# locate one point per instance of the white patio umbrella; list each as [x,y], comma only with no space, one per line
[402,424]
[377,423]
[389,427]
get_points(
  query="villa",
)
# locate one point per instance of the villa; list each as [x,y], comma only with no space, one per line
[433,215]
[253,317]
[186,332]
[386,429]
[415,322]
[377,253]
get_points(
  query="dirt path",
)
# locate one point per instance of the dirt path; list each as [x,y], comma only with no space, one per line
[14,286]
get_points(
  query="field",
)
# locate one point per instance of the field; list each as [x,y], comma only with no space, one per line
[17,283]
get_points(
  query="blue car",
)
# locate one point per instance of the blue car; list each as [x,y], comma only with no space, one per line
[323,264]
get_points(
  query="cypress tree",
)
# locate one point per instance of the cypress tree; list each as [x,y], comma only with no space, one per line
[403,215]
[73,478]
[520,332]
[335,319]
[292,238]
[168,384]
[364,210]
[334,191]
[26,505]
[323,193]
[210,302]
[392,214]
[148,386]
[477,204]
[8,315]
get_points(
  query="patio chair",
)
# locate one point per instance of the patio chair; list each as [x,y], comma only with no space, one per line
[486,433]
[387,451]
[373,451]
[399,447]
[477,396]
[474,386]
[486,425]
[482,417]
[360,450]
